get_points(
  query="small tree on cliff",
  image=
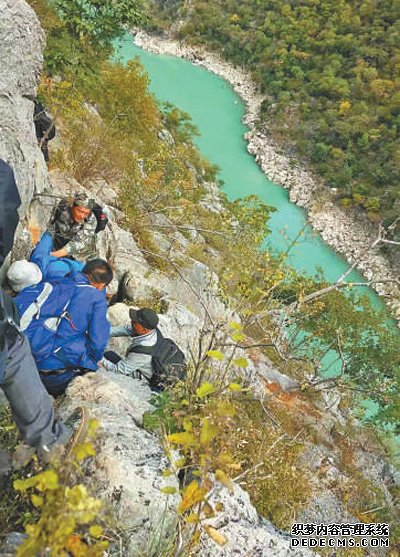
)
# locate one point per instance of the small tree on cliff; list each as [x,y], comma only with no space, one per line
[99,21]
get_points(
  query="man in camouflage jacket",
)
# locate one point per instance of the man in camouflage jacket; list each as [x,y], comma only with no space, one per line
[73,227]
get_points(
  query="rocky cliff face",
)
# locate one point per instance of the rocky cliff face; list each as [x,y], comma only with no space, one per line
[127,470]
[22,41]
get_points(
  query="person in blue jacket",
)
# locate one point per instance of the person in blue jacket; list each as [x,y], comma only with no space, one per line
[53,267]
[41,266]
[68,330]
[31,406]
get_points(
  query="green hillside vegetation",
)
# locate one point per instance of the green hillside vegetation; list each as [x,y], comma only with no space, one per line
[331,75]
[146,152]
[121,144]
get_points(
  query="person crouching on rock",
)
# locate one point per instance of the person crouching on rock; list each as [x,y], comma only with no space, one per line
[143,331]
[66,323]
[73,228]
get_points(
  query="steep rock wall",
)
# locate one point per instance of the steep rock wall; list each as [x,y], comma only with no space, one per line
[22,41]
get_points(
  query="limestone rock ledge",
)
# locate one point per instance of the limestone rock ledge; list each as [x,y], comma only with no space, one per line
[127,471]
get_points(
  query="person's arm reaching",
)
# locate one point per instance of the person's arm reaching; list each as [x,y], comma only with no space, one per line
[126,366]
[83,240]
[121,331]
[41,254]
[99,331]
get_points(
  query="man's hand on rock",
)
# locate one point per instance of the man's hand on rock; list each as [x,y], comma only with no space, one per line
[60,253]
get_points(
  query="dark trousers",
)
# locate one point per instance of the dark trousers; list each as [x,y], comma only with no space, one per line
[31,406]
[58,380]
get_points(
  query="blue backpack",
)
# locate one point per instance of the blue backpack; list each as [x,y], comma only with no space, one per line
[43,307]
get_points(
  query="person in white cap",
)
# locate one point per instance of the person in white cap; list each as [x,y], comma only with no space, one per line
[32,408]
[22,274]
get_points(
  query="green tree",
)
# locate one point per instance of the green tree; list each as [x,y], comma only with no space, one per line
[99,21]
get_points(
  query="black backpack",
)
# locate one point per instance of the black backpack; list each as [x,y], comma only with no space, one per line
[168,361]
[101,218]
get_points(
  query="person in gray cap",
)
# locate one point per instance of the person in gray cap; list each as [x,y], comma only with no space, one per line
[73,227]
[143,331]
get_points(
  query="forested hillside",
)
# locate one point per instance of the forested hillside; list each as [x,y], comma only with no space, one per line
[123,147]
[330,73]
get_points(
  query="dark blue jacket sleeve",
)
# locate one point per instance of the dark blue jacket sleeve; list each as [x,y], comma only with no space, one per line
[98,331]
[9,203]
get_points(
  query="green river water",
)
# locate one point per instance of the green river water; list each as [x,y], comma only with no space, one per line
[217,112]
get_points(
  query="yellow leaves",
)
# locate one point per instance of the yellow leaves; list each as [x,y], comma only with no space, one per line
[168,490]
[92,427]
[344,107]
[76,496]
[47,480]
[215,355]
[192,518]
[236,326]
[208,432]
[37,500]
[187,424]
[207,510]
[96,531]
[223,479]
[83,450]
[204,390]
[64,509]
[180,463]
[182,438]
[191,495]
[167,473]
[224,459]
[238,336]
[216,536]
[241,362]
[234,387]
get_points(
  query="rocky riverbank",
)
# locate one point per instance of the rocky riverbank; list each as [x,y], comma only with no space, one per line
[352,238]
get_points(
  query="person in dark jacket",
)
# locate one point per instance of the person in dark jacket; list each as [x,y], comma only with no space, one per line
[70,330]
[44,128]
[31,406]
[143,332]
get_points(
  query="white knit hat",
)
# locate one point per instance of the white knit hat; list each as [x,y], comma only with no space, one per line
[22,274]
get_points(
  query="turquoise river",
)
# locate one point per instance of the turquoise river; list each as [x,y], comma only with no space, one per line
[217,112]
